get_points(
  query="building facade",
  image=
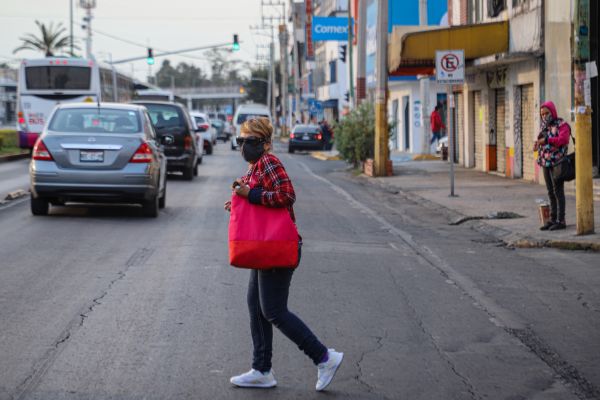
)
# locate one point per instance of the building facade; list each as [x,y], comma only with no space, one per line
[497,109]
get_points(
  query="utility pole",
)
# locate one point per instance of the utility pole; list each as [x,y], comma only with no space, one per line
[350,57]
[361,50]
[71,26]
[280,20]
[297,78]
[424,89]
[88,5]
[283,45]
[584,196]
[381,122]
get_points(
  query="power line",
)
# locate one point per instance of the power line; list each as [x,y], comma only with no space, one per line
[144,46]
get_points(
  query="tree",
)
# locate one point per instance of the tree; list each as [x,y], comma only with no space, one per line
[184,75]
[223,70]
[52,40]
[256,90]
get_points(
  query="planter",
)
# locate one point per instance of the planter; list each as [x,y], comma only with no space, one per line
[368,167]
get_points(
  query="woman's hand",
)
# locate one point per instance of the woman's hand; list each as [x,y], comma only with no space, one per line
[241,189]
[227,205]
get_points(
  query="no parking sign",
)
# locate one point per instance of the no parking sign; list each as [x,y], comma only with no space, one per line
[450,66]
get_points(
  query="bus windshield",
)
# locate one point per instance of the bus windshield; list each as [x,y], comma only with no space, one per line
[58,78]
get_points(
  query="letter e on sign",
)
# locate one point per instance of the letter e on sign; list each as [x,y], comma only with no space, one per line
[450,66]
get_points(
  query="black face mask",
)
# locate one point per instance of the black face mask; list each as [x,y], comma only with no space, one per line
[252,151]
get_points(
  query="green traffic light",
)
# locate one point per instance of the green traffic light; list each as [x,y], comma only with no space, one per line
[236,43]
[150,61]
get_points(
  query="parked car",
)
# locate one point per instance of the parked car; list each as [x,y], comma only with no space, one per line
[172,120]
[220,129]
[101,154]
[306,137]
[205,130]
[244,112]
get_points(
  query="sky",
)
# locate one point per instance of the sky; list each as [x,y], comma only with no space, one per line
[161,24]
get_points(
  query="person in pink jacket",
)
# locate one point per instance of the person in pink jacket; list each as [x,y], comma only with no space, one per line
[552,145]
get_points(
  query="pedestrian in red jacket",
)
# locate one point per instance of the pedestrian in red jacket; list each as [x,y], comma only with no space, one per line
[437,125]
[267,184]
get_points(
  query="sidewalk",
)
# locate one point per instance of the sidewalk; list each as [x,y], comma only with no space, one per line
[481,197]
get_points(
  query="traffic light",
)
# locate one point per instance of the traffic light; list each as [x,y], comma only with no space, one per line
[242,90]
[343,49]
[347,96]
[236,43]
[150,57]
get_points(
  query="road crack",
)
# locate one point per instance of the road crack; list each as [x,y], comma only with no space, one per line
[45,362]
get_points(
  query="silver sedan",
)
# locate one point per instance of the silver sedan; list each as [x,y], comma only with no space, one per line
[98,153]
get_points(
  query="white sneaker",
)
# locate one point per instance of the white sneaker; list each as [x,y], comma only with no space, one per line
[326,370]
[254,379]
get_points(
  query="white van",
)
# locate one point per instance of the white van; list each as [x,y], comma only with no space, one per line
[244,112]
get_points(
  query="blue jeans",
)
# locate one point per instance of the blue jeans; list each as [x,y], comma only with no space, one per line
[436,136]
[268,292]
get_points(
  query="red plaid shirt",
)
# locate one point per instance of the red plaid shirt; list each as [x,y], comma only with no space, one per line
[273,186]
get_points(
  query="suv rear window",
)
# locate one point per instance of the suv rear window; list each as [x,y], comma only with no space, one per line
[95,120]
[165,116]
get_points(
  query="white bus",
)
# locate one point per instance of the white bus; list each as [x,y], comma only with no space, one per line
[45,82]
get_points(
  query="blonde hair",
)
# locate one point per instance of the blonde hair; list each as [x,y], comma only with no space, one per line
[259,126]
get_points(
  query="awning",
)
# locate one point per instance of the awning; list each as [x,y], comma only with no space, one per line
[414,52]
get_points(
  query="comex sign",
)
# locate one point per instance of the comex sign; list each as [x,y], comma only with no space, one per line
[330,28]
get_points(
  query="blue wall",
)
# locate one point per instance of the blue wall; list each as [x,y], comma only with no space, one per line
[406,12]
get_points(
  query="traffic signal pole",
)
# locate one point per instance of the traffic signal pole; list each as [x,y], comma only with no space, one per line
[381,122]
[168,53]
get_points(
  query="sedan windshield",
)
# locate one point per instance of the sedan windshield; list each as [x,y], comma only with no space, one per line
[95,120]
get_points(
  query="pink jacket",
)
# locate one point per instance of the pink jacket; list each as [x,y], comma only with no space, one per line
[557,134]
[564,130]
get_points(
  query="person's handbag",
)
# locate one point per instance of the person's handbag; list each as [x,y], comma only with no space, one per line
[565,170]
[261,237]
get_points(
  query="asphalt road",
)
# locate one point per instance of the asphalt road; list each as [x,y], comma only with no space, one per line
[13,176]
[102,303]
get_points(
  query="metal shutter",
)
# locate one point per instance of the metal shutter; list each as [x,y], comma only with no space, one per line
[460,124]
[478,129]
[527,132]
[500,130]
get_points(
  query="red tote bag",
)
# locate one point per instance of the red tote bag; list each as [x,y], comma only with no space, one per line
[261,237]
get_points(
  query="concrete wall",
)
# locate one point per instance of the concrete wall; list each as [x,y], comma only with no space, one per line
[417,115]
[558,56]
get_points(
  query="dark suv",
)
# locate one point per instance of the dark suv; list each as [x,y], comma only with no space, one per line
[176,131]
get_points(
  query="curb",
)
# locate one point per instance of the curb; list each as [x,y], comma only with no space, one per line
[508,238]
[324,157]
[13,157]
[425,157]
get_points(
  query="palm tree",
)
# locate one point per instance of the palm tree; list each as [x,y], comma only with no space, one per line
[51,41]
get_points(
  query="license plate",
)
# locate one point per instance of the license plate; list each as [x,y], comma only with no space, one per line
[305,137]
[91,156]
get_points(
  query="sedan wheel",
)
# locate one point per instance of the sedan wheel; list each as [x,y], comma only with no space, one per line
[150,207]
[39,206]
[188,173]
[162,202]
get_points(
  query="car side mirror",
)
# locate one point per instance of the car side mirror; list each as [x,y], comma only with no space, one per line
[167,139]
